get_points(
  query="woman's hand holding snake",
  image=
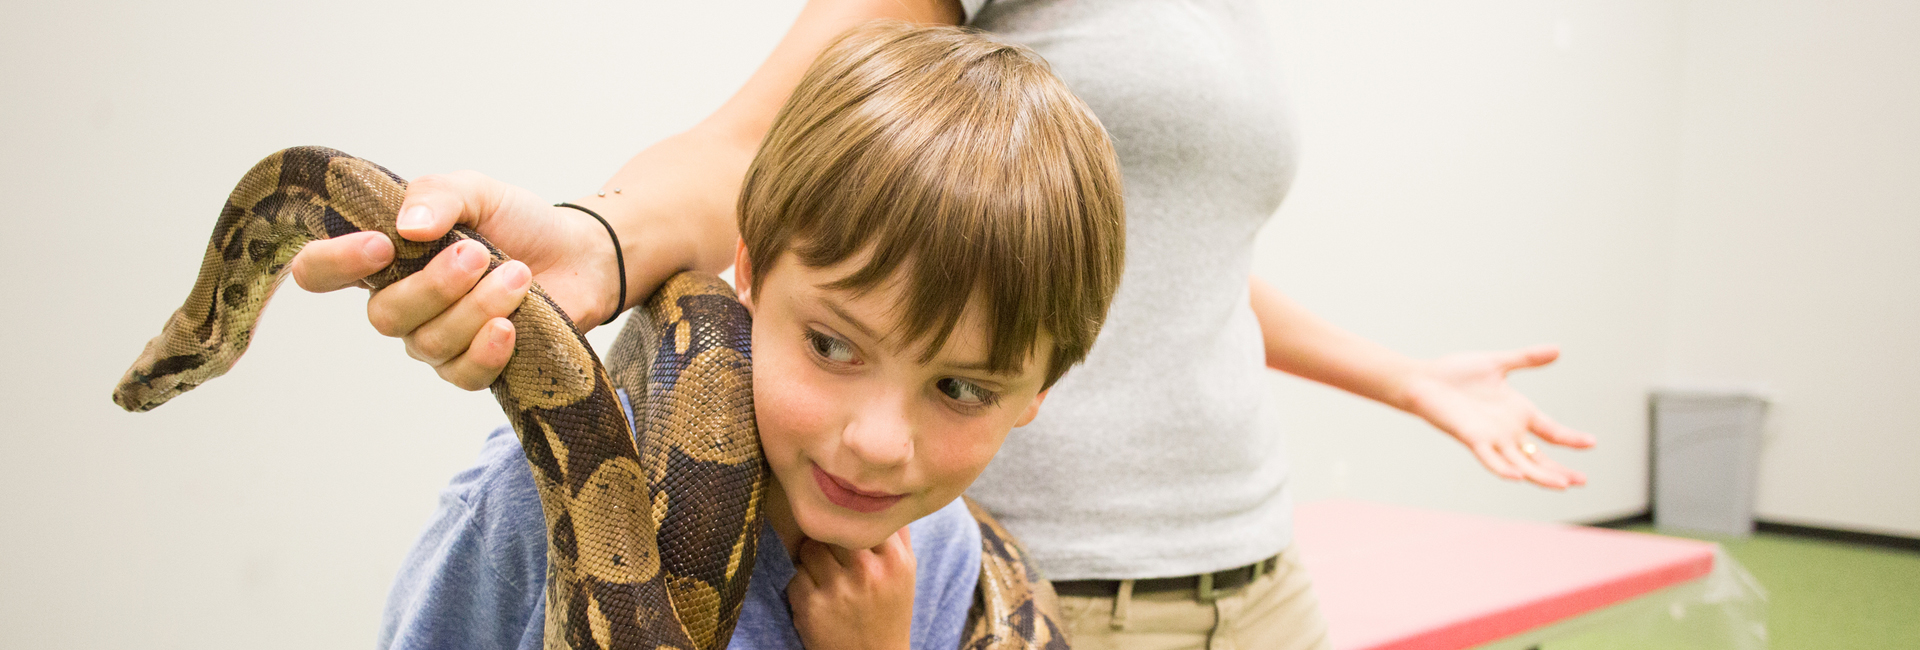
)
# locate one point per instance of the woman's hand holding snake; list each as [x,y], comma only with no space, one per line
[452,314]
[1467,396]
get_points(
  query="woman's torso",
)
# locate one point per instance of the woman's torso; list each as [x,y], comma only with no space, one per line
[1159,455]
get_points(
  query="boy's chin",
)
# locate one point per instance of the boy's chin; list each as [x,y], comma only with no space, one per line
[849,534]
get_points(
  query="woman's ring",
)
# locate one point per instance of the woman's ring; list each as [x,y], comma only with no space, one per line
[1529,448]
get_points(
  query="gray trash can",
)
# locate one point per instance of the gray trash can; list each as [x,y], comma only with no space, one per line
[1706,453]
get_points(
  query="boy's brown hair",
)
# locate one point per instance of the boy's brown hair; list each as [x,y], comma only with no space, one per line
[960,164]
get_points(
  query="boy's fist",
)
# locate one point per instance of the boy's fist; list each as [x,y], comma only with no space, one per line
[854,599]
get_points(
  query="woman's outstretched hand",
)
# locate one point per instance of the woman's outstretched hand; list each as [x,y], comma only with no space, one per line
[1467,396]
[452,314]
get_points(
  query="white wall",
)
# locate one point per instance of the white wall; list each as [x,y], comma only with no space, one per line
[1797,248]
[1480,175]
[271,507]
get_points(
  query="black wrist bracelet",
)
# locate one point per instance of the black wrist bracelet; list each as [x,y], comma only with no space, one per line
[619,258]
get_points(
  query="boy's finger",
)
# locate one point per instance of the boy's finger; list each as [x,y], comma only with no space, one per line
[817,561]
[897,546]
[333,264]
[846,558]
[403,306]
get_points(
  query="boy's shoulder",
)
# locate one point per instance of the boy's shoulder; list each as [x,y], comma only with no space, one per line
[950,530]
[496,495]
[475,577]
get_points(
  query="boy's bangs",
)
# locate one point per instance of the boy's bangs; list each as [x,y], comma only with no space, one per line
[958,168]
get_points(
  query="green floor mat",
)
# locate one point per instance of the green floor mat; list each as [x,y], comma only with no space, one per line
[1821,595]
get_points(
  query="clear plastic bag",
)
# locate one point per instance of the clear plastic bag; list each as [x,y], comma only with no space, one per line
[1727,609]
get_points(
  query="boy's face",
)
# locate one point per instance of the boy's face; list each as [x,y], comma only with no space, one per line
[863,437]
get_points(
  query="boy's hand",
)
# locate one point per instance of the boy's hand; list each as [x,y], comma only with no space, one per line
[846,600]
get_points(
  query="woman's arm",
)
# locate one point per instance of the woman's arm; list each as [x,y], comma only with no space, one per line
[1465,395]
[674,211]
[683,190]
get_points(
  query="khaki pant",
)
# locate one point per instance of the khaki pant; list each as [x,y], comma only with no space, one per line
[1276,611]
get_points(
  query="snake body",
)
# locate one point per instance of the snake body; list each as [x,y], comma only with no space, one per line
[649,545]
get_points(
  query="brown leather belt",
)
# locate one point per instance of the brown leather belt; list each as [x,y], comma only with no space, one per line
[1206,586]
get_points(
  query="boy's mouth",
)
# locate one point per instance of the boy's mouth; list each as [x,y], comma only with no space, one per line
[847,496]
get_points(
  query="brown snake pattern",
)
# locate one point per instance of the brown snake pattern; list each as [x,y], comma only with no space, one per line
[649,545]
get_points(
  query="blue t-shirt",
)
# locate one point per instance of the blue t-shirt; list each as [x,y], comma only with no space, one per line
[476,579]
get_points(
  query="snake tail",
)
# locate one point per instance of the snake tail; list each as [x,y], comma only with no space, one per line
[1014,608]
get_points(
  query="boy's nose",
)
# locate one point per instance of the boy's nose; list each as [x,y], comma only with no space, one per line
[880,431]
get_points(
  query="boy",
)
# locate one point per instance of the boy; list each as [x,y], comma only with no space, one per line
[930,236]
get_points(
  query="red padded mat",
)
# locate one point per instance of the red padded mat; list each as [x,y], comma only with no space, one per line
[1394,578]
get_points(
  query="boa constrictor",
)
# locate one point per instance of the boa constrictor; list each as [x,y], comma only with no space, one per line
[649,545]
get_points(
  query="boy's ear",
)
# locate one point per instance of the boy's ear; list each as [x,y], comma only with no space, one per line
[1032,409]
[742,274]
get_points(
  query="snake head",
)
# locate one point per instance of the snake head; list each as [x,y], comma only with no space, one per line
[158,376]
[148,385]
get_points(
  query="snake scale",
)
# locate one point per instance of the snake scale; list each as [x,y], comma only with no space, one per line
[650,538]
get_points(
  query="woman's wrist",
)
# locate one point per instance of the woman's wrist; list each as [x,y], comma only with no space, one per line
[619,280]
[670,209]
[650,250]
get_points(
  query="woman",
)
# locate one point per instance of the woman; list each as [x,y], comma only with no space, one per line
[1153,488]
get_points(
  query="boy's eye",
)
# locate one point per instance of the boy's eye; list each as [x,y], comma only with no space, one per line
[965,392]
[829,348]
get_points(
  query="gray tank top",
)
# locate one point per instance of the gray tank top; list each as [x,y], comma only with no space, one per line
[1160,455]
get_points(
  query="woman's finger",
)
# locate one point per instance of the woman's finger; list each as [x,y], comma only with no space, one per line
[1496,463]
[1529,467]
[404,305]
[1552,431]
[436,202]
[1571,476]
[334,264]
[447,335]
[1532,357]
[484,358]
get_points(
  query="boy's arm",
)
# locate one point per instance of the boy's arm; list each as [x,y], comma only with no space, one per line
[1466,395]
[674,211]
